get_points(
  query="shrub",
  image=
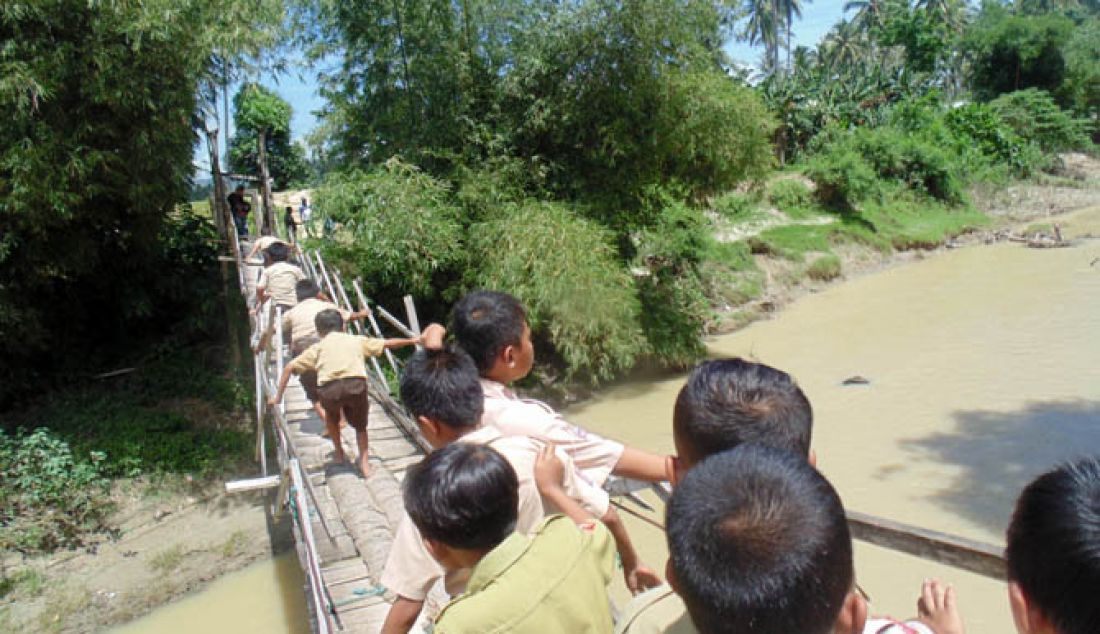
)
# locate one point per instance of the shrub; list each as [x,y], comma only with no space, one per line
[579,298]
[1034,116]
[49,497]
[824,268]
[978,128]
[735,206]
[398,228]
[788,194]
[674,306]
[842,176]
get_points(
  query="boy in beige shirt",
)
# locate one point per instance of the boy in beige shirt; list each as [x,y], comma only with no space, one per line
[341,378]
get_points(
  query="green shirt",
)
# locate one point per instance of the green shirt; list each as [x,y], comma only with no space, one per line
[554,581]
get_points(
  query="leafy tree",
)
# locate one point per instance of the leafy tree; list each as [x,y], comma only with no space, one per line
[95,154]
[1013,52]
[1035,116]
[256,109]
[1081,88]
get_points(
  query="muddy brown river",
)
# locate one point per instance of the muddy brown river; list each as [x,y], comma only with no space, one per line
[983,373]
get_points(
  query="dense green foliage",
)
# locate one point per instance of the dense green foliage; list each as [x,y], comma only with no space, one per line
[95,155]
[600,126]
[257,108]
[1013,52]
[49,497]
[1034,116]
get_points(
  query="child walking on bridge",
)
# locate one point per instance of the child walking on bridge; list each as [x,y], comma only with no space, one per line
[338,360]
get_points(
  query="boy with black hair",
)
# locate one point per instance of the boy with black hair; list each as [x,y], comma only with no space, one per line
[300,330]
[440,389]
[1053,552]
[278,280]
[759,542]
[341,378]
[262,243]
[492,328]
[724,404]
[464,499]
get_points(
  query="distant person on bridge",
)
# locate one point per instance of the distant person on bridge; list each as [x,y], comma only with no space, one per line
[305,212]
[292,220]
[464,500]
[341,378]
[279,280]
[239,208]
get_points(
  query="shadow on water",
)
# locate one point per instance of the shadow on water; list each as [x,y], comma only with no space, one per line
[1000,452]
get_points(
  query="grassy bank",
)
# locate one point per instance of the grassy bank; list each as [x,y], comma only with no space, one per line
[773,242]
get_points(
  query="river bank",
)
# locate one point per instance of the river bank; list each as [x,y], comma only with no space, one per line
[1016,206]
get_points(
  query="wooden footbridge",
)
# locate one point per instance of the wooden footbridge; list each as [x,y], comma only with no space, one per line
[343,523]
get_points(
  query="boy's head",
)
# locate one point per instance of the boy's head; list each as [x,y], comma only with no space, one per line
[728,402]
[492,328]
[240,189]
[758,542]
[306,289]
[328,320]
[278,252]
[440,389]
[1053,552]
[464,500]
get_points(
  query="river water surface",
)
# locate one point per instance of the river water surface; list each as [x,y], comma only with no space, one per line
[983,373]
[983,369]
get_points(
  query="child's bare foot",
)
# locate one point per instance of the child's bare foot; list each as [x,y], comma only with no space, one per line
[937,608]
[339,457]
[364,465]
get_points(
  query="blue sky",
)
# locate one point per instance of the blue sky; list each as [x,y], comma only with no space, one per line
[301,91]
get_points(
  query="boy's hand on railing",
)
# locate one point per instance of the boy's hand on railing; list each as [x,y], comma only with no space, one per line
[274,400]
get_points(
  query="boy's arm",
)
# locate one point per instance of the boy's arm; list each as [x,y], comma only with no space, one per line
[390,344]
[638,577]
[549,472]
[402,615]
[283,380]
[641,465]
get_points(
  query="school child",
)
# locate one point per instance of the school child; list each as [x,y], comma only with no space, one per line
[341,378]
[492,327]
[277,282]
[1053,552]
[724,404]
[440,389]
[291,221]
[463,499]
[759,542]
[262,243]
[300,330]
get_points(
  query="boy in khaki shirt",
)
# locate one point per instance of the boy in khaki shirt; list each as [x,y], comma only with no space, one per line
[278,280]
[341,378]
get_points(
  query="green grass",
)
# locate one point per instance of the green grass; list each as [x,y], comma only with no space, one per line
[26,583]
[824,268]
[793,242]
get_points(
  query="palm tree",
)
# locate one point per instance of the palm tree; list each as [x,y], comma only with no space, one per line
[868,12]
[844,45]
[763,28]
[790,9]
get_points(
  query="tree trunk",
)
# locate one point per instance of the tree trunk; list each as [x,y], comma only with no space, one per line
[220,208]
[265,184]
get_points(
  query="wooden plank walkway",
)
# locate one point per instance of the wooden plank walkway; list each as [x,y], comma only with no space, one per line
[352,518]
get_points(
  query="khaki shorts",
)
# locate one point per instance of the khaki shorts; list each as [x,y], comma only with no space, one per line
[348,396]
[307,379]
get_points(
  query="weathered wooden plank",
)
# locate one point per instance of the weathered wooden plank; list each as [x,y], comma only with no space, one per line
[967,554]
